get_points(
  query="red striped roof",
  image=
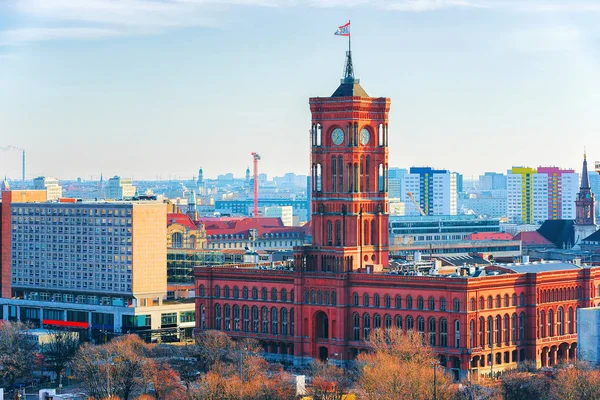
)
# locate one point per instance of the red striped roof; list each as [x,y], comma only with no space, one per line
[181,219]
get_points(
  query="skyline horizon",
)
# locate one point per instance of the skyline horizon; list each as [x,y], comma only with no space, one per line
[477,86]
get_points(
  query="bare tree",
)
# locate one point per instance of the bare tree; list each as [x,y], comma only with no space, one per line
[328,381]
[60,349]
[17,351]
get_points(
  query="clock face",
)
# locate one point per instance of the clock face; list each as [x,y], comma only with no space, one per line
[337,136]
[365,135]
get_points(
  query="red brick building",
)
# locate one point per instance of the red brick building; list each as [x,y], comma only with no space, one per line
[341,287]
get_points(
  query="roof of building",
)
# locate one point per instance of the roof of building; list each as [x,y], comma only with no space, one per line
[532,238]
[232,225]
[594,237]
[181,219]
[559,231]
[542,266]
[349,90]
[489,236]
[463,259]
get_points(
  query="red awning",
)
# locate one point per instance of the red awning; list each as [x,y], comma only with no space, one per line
[66,324]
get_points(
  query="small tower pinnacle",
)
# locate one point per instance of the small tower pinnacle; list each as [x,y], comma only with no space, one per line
[348,69]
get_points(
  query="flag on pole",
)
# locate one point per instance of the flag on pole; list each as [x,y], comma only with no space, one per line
[343,30]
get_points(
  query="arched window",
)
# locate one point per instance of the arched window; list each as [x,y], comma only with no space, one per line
[410,323]
[319,297]
[254,293]
[245,293]
[443,332]
[432,333]
[506,300]
[398,302]
[522,299]
[218,317]
[380,179]
[376,301]
[283,295]
[265,320]
[380,139]
[420,303]
[329,233]
[254,319]
[481,305]
[373,233]
[201,290]
[490,302]
[514,299]
[550,323]
[217,291]
[202,316]
[318,178]
[498,301]
[388,301]
[473,304]
[366,300]
[570,320]
[292,296]
[498,330]
[560,315]
[338,233]
[522,326]
[377,321]
[421,325]
[327,297]
[284,321]
[264,294]
[292,322]
[481,332]
[227,312]
[366,233]
[368,170]
[356,319]
[409,302]
[177,240]
[236,293]
[472,333]
[456,305]
[431,303]
[490,330]
[388,321]
[513,328]
[274,321]
[399,322]
[355,299]
[226,292]
[333,298]
[246,316]
[457,333]
[274,294]
[306,297]
[333,173]
[443,304]
[366,326]
[542,324]
[236,317]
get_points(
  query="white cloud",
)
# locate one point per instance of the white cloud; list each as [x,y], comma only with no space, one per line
[23,35]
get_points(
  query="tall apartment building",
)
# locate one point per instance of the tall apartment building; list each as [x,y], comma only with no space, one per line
[492,181]
[536,195]
[53,190]
[434,190]
[119,189]
[96,265]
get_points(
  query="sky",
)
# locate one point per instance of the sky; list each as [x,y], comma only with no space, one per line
[159,88]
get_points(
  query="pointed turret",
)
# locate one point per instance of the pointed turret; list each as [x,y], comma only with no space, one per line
[349,85]
[5,184]
[585,182]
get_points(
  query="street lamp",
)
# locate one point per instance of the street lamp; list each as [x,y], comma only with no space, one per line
[435,364]
[341,360]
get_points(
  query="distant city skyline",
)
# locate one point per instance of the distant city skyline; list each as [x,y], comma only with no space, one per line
[144,89]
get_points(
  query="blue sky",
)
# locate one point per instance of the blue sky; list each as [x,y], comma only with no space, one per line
[149,88]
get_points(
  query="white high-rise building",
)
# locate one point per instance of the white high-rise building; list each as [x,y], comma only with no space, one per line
[119,189]
[284,212]
[50,185]
[433,190]
[536,195]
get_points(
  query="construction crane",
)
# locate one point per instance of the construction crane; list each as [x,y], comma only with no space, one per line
[255,158]
[415,202]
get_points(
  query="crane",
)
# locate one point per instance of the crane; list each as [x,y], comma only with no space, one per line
[415,202]
[255,158]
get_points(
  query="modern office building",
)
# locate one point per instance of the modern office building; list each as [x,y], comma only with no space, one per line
[492,181]
[430,191]
[285,213]
[50,185]
[342,287]
[536,195]
[119,188]
[94,265]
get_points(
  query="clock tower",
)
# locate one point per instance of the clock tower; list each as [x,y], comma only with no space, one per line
[349,173]
[585,220]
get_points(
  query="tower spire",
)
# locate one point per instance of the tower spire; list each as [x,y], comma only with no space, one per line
[585,182]
[349,68]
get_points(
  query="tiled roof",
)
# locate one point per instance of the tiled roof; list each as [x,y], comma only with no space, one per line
[235,226]
[181,219]
[532,238]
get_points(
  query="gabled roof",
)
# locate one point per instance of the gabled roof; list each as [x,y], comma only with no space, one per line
[489,236]
[594,237]
[532,238]
[559,231]
[181,219]
[241,225]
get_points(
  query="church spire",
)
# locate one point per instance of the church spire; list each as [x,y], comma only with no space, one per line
[585,182]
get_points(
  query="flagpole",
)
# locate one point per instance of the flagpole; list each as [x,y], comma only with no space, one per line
[349,35]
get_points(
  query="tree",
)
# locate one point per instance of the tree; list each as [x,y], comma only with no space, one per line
[166,382]
[525,386]
[114,369]
[578,382]
[328,381]
[17,351]
[401,366]
[60,350]
[211,347]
